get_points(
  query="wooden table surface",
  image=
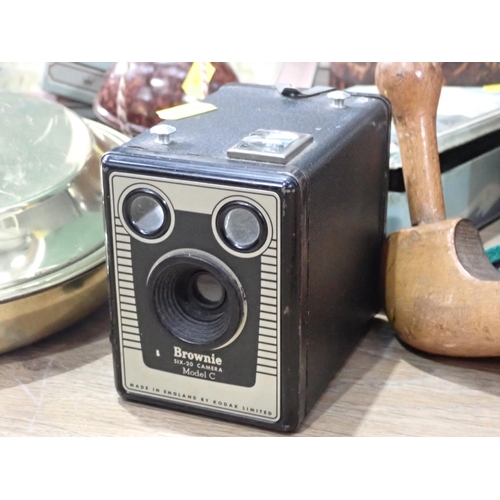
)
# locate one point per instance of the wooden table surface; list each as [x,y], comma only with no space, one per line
[63,386]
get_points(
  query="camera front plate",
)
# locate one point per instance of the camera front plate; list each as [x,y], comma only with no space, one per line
[243,375]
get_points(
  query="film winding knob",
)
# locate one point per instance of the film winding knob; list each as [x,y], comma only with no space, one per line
[338,97]
[163,133]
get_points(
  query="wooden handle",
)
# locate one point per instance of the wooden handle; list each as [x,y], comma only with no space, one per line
[414,90]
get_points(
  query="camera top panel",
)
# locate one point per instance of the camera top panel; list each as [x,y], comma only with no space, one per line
[244,109]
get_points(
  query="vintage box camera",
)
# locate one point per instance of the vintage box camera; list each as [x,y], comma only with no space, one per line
[244,253]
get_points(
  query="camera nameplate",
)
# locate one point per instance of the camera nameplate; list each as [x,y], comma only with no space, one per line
[196,387]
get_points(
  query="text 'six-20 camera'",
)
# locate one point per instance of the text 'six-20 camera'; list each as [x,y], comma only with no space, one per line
[244,254]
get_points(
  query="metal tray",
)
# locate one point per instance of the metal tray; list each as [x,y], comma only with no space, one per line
[51,224]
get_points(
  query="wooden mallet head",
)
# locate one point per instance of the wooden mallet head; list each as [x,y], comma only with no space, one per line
[442,293]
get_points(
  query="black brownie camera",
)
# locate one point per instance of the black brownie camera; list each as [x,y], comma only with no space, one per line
[244,250]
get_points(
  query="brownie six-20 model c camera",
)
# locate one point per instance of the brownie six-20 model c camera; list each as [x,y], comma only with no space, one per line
[244,253]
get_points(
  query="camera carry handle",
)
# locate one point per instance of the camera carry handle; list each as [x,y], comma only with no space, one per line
[289,91]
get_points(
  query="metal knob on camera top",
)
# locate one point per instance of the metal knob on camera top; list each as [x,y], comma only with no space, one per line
[162,131]
[338,97]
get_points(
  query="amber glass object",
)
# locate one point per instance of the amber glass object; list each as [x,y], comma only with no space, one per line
[133,92]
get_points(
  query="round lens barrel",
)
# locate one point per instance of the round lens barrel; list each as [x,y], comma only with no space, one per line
[197,299]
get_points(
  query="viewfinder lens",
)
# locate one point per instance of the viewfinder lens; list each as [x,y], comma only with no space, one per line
[241,228]
[146,213]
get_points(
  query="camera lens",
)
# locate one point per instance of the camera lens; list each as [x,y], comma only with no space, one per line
[208,290]
[242,226]
[146,213]
[198,299]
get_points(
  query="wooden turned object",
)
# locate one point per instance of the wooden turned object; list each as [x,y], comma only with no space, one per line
[442,293]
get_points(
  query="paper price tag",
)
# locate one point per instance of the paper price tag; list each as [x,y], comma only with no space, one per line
[186,110]
[492,88]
